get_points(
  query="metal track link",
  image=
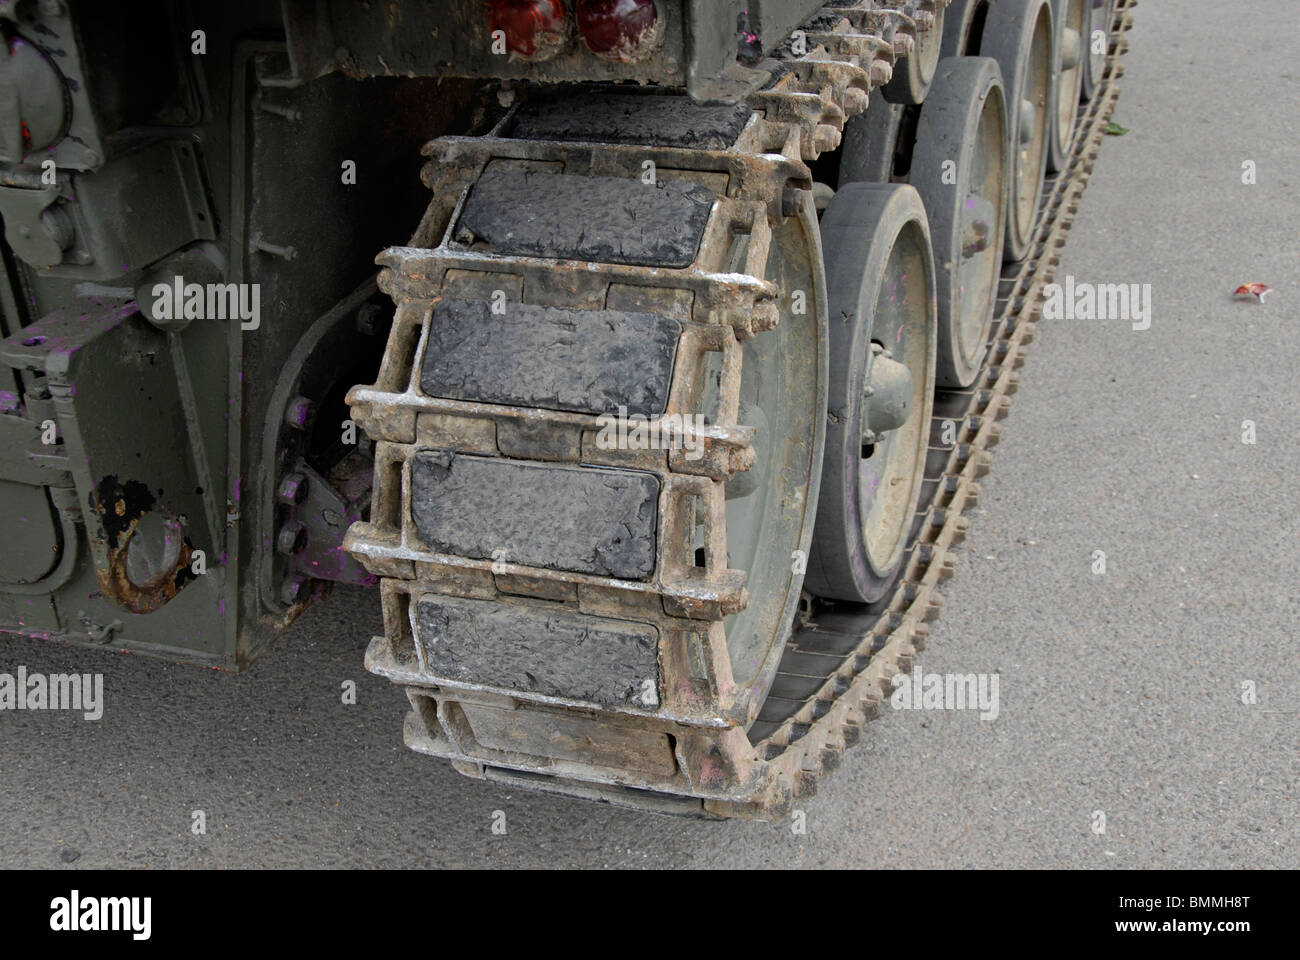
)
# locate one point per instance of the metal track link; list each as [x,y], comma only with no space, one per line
[659,723]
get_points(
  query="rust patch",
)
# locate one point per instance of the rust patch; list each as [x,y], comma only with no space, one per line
[120,508]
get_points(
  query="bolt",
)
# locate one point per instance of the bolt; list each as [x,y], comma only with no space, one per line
[297,412]
[289,113]
[855,100]
[975,239]
[369,319]
[765,316]
[825,138]
[292,538]
[293,489]
[291,588]
[259,245]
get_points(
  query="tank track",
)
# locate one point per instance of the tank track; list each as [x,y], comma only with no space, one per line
[650,716]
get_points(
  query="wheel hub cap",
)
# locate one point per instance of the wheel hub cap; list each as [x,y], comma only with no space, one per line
[888,396]
[1071,49]
[1027,119]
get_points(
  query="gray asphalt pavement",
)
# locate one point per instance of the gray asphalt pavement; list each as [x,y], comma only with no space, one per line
[1119,692]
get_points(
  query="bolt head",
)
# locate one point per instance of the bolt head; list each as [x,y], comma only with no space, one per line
[293,489]
[292,538]
[297,412]
[292,589]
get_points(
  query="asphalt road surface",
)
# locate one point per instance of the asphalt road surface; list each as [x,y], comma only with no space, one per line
[1119,692]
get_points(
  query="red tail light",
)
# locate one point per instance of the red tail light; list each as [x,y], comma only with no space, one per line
[533,29]
[626,30]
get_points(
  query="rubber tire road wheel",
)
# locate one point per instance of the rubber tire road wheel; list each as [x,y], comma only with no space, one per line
[1070,19]
[911,80]
[1018,35]
[1100,15]
[879,276]
[961,135]
[963,23]
[870,142]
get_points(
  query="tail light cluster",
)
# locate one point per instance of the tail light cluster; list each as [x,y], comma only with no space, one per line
[626,31]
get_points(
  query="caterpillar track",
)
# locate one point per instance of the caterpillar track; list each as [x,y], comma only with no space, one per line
[556,609]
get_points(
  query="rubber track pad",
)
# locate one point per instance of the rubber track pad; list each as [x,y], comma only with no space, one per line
[580,519]
[665,121]
[602,219]
[556,653]
[580,361]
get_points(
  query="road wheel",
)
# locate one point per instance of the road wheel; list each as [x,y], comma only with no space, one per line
[880,283]
[1070,17]
[1018,35]
[963,26]
[1096,39]
[912,77]
[869,149]
[959,166]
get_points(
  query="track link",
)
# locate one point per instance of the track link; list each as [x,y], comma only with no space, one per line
[638,705]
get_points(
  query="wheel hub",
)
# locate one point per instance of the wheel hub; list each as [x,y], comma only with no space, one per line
[1027,121]
[1071,49]
[888,395]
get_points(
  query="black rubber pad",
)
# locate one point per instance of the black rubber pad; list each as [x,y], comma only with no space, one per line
[556,653]
[580,519]
[665,121]
[581,361]
[603,219]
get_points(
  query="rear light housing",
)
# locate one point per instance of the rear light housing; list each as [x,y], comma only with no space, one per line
[627,31]
[533,30]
